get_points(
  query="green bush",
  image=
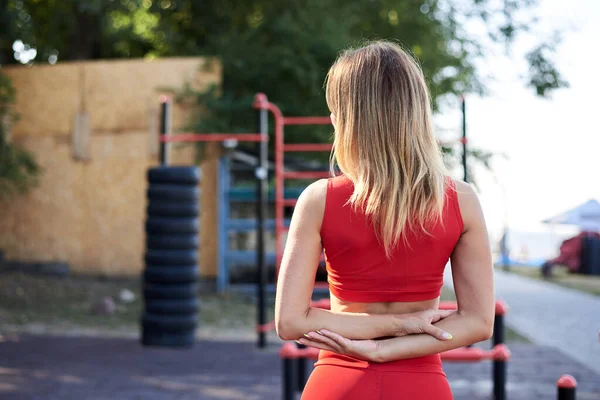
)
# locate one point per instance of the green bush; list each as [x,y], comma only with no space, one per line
[18,168]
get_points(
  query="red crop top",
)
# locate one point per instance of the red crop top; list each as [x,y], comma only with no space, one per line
[357,267]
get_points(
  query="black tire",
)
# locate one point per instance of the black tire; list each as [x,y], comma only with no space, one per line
[172,242]
[177,209]
[172,307]
[173,193]
[171,274]
[173,323]
[172,257]
[174,175]
[154,338]
[170,291]
[172,226]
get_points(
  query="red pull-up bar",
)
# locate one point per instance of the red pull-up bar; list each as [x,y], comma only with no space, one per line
[463,354]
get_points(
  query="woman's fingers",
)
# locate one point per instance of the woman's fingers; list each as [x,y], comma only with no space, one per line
[436,332]
[320,337]
[338,339]
[315,344]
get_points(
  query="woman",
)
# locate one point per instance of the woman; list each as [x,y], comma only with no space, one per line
[388,226]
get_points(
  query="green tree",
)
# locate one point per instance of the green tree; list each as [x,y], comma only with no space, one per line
[281,47]
[18,169]
[284,49]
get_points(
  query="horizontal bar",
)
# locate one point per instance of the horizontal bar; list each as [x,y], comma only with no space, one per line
[465,354]
[250,288]
[306,174]
[290,202]
[240,194]
[472,354]
[306,121]
[248,257]
[246,225]
[213,137]
[448,143]
[308,147]
[268,327]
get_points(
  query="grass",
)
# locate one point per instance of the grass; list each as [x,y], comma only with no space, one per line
[68,303]
[30,299]
[562,277]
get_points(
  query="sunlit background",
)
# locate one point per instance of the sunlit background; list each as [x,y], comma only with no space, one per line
[550,145]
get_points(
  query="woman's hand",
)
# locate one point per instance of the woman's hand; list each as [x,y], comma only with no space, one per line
[367,350]
[422,322]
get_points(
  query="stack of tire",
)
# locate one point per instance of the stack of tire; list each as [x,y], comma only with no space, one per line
[170,281]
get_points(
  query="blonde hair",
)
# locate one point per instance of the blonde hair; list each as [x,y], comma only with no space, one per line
[384,139]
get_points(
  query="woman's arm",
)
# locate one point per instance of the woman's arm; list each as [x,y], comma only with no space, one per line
[473,283]
[293,315]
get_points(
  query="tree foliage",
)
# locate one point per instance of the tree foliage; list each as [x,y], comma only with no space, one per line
[280,47]
[18,169]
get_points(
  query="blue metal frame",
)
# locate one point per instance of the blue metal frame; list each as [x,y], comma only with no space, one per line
[226,196]
[223,181]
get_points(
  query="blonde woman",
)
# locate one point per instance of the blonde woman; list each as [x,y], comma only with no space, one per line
[388,226]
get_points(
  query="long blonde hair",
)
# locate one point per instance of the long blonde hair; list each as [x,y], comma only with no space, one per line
[384,139]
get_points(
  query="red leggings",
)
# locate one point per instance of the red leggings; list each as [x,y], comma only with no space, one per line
[343,378]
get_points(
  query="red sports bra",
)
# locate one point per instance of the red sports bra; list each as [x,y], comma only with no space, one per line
[357,267]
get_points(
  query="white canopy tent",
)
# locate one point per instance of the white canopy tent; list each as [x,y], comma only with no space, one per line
[585,216]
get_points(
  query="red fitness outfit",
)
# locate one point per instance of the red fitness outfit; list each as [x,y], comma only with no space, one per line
[359,271]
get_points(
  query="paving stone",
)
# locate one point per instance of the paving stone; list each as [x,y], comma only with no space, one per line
[82,368]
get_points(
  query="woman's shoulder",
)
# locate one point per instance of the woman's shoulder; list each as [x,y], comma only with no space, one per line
[316,192]
[467,200]
[464,191]
[313,197]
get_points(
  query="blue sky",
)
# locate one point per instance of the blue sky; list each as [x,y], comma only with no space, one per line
[553,145]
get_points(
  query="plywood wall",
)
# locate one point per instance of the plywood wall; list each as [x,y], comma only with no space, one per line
[91,213]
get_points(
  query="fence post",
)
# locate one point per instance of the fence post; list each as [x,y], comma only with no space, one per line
[301,365]
[566,386]
[261,174]
[165,128]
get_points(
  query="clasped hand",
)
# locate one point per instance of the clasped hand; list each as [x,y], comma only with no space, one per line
[409,324]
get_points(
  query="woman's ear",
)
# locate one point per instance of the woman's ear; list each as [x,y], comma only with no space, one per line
[333,120]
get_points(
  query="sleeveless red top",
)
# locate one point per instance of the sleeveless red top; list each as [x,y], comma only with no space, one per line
[357,267]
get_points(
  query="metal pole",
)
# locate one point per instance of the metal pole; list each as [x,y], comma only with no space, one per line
[261,211]
[500,380]
[288,379]
[165,129]
[566,388]
[499,367]
[301,364]
[566,393]
[464,138]
[498,337]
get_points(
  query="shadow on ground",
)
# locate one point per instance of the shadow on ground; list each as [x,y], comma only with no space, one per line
[58,367]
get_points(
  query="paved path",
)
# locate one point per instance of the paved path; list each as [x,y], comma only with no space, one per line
[550,315]
[86,368]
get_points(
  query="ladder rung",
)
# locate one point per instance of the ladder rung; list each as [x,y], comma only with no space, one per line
[306,174]
[249,224]
[306,120]
[248,257]
[289,202]
[308,147]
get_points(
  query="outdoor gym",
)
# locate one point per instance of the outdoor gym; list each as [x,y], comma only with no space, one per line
[160,162]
